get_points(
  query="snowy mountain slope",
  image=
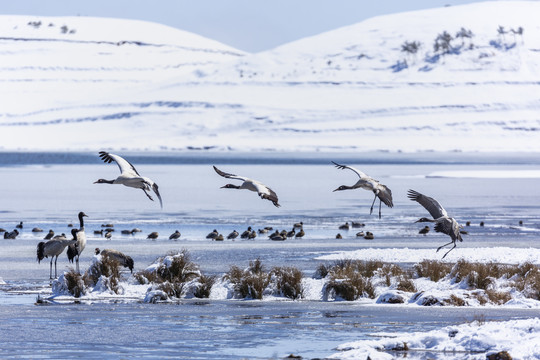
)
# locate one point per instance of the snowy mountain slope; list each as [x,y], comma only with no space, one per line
[351,89]
[47,61]
[372,50]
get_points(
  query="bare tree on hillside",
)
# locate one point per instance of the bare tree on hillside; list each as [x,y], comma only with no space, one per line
[465,34]
[443,43]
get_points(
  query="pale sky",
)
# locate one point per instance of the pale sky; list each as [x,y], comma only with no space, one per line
[249,25]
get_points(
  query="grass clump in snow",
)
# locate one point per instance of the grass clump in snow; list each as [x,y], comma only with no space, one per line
[432,269]
[477,275]
[351,279]
[527,280]
[254,281]
[170,273]
[74,283]
[288,282]
[106,270]
[250,282]
[204,287]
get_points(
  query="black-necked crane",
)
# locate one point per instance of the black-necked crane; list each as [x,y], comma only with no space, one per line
[124,260]
[74,251]
[129,176]
[49,235]
[249,184]
[300,234]
[233,235]
[368,183]
[36,229]
[53,248]
[175,235]
[443,223]
[153,235]
[20,226]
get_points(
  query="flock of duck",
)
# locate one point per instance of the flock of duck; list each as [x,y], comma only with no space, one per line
[130,177]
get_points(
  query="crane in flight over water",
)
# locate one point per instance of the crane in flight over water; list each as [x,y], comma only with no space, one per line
[368,183]
[253,185]
[443,223]
[129,176]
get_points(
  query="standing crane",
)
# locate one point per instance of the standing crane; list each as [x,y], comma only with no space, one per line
[75,250]
[53,248]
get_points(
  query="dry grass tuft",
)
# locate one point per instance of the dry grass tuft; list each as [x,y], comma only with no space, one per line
[322,271]
[432,269]
[406,284]
[172,273]
[455,300]
[528,280]
[288,281]
[498,297]
[107,267]
[251,282]
[351,279]
[205,286]
[75,283]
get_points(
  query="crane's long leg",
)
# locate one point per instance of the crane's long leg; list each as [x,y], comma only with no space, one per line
[50,269]
[373,203]
[147,194]
[440,247]
[453,247]
[77,263]
[55,260]
[380,204]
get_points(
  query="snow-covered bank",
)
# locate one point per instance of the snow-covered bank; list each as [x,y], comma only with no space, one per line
[175,276]
[475,340]
[351,89]
[503,255]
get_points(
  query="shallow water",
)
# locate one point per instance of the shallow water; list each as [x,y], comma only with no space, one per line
[50,197]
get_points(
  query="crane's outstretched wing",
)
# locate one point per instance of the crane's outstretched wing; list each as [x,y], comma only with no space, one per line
[358,172]
[430,204]
[230,176]
[155,188]
[125,166]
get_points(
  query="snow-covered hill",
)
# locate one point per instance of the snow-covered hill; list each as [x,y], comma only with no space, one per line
[151,87]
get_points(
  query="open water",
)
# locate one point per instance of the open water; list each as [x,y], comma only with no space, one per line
[48,190]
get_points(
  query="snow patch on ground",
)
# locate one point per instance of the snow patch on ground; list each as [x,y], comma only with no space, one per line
[474,340]
[503,255]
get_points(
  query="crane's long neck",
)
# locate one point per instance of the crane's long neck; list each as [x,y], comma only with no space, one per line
[81,222]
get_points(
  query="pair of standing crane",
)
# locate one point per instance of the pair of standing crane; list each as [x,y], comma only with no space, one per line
[443,223]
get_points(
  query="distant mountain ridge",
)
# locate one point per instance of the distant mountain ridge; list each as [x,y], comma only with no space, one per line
[77,84]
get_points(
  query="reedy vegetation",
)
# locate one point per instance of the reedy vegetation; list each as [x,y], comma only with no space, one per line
[344,279]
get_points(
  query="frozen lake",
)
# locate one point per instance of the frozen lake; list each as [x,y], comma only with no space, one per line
[499,190]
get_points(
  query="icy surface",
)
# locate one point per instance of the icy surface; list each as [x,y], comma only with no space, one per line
[471,341]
